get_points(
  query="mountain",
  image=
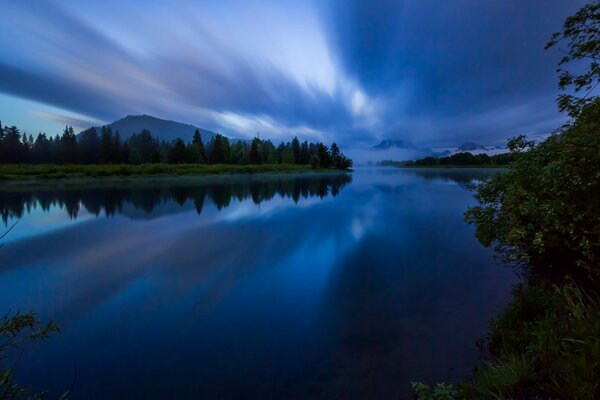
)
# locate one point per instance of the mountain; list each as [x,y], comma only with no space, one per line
[470,146]
[161,128]
[387,149]
[394,144]
[400,150]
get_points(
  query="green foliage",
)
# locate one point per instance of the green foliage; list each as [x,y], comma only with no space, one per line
[455,160]
[581,34]
[545,210]
[254,156]
[547,344]
[441,391]
[142,148]
[178,154]
[15,331]
[544,214]
[75,171]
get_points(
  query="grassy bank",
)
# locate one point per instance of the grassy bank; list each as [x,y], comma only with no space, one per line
[74,171]
[545,344]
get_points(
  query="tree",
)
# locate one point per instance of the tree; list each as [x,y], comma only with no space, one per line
[238,152]
[117,149]
[13,149]
[142,147]
[296,150]
[335,155]
[178,153]
[89,146]
[41,151]
[323,156]
[106,145]
[304,153]
[219,147]
[197,154]
[69,151]
[267,151]
[254,154]
[581,34]
[155,157]
[2,151]
[125,153]
[543,211]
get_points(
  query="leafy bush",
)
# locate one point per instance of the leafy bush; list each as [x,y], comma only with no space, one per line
[545,210]
[441,391]
[15,330]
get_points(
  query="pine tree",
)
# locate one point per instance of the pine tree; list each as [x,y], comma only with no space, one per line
[106,145]
[254,154]
[178,153]
[217,155]
[335,156]
[296,150]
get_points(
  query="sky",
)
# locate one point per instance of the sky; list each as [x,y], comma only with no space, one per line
[437,73]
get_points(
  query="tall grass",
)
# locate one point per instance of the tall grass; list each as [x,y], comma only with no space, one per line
[54,171]
[545,345]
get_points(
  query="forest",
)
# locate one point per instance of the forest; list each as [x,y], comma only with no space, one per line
[458,160]
[107,147]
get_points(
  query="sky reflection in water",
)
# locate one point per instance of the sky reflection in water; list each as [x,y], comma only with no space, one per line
[301,287]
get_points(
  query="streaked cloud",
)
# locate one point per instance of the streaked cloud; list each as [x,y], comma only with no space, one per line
[354,71]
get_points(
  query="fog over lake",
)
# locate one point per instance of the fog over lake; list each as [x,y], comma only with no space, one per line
[264,286]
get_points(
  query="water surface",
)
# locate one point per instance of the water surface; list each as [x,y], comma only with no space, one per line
[311,286]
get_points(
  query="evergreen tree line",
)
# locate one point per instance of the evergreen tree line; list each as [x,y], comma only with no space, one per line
[462,159]
[106,147]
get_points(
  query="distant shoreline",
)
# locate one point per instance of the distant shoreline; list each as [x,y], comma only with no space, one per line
[54,172]
[452,166]
[441,166]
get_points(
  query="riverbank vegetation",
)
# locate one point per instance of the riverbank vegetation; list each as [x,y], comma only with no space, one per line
[16,330]
[455,160]
[107,148]
[75,171]
[543,216]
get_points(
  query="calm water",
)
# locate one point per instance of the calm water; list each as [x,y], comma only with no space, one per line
[314,286]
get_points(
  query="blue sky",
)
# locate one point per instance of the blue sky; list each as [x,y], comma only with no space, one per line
[437,73]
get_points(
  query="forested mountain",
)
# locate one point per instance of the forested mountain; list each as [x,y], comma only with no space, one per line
[162,129]
[103,146]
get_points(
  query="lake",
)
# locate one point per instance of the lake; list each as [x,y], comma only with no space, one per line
[268,287]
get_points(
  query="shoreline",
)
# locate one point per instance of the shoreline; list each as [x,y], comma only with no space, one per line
[450,166]
[80,173]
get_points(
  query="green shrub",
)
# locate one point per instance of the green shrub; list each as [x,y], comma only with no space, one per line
[545,210]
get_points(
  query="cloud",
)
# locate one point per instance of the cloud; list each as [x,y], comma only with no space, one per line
[354,71]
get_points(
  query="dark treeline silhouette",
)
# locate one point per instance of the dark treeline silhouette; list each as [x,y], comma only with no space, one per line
[111,200]
[458,159]
[106,147]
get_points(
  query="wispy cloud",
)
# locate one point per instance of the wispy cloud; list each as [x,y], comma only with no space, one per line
[351,71]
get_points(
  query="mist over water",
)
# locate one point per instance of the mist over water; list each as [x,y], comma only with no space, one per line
[302,286]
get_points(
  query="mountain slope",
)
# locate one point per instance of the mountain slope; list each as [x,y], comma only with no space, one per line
[470,146]
[394,144]
[161,128]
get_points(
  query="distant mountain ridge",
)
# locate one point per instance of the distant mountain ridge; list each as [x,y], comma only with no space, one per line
[161,128]
[470,146]
[402,150]
[399,144]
